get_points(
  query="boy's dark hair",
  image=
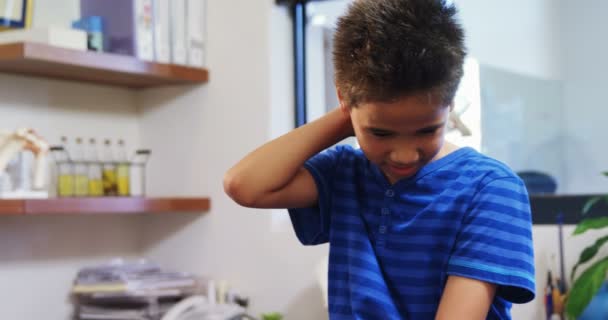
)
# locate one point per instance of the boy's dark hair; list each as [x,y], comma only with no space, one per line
[387,49]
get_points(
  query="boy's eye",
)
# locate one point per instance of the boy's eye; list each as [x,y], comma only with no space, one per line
[380,133]
[428,131]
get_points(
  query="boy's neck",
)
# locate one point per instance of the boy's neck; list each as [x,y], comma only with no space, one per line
[447,148]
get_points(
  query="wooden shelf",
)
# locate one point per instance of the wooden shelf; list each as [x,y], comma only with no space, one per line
[106,205]
[42,60]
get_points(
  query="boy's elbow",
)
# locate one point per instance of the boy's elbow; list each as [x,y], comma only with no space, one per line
[236,189]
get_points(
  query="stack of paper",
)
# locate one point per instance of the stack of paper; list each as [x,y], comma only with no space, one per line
[129,290]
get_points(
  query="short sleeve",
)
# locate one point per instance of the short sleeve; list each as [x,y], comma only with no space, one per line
[311,224]
[495,242]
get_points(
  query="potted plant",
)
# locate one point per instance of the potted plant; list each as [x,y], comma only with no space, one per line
[589,281]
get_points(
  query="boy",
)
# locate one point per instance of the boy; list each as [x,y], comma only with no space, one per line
[418,228]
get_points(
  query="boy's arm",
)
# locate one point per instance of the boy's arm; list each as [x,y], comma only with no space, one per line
[273,175]
[465,299]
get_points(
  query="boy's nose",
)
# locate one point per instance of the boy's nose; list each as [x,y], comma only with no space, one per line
[404,157]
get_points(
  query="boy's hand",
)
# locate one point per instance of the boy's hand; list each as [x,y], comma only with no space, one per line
[347,123]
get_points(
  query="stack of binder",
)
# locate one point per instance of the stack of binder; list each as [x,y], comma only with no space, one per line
[165,31]
[138,290]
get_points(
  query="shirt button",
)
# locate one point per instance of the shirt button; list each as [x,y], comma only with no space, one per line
[385,211]
[390,193]
[382,229]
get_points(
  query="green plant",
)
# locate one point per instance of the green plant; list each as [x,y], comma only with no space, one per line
[588,283]
[272,316]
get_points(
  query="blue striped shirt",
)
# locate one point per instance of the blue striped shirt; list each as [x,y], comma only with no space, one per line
[392,247]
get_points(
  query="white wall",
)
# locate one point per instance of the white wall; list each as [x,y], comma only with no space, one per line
[520,36]
[197,135]
[584,94]
[40,255]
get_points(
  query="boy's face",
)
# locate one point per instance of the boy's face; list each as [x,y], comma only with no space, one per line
[400,136]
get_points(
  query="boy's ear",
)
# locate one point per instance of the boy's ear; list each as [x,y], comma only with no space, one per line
[344,108]
[343,105]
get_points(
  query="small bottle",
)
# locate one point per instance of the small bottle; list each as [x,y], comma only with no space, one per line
[95,33]
[94,170]
[81,176]
[137,173]
[65,176]
[109,170]
[122,171]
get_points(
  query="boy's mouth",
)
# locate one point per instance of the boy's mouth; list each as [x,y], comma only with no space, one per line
[402,171]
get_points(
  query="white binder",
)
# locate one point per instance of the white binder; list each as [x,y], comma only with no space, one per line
[144,30]
[196,19]
[162,28]
[178,32]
